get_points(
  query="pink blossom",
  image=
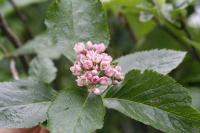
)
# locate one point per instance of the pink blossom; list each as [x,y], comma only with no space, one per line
[95,79]
[97,58]
[93,67]
[96,67]
[79,47]
[118,68]
[104,65]
[81,57]
[76,70]
[90,54]
[97,91]
[94,72]
[87,64]
[106,57]
[100,48]
[104,80]
[82,81]
[118,75]
[89,45]
[88,75]
[109,72]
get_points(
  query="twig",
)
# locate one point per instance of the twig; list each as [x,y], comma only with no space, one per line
[182,43]
[13,39]
[3,49]
[189,36]
[13,70]
[23,18]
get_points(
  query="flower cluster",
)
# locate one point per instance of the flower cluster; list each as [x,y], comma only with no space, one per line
[93,67]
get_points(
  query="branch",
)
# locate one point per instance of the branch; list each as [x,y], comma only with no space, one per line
[23,18]
[182,43]
[13,70]
[13,39]
[189,36]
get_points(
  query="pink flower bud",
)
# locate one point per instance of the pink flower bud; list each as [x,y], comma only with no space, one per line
[104,65]
[93,67]
[109,72]
[97,58]
[89,45]
[81,57]
[96,67]
[97,91]
[104,80]
[118,75]
[79,47]
[94,72]
[95,79]
[118,68]
[90,54]
[87,64]
[88,75]
[82,81]
[100,48]
[106,57]
[76,70]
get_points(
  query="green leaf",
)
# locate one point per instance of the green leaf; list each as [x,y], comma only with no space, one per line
[76,111]
[72,21]
[195,93]
[42,46]
[24,103]
[162,61]
[42,69]
[155,100]
[6,7]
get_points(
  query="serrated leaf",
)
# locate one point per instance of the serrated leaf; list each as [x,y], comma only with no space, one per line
[155,100]
[162,61]
[24,103]
[42,69]
[76,111]
[69,23]
[41,45]
[195,93]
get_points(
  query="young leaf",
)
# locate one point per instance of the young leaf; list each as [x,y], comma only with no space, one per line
[155,100]
[24,103]
[72,21]
[42,69]
[162,61]
[195,93]
[76,112]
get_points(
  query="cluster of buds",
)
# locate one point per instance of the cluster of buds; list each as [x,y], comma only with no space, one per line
[93,67]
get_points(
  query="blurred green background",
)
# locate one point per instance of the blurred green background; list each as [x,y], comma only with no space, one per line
[128,35]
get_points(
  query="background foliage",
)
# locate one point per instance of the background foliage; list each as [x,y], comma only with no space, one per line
[134,26]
